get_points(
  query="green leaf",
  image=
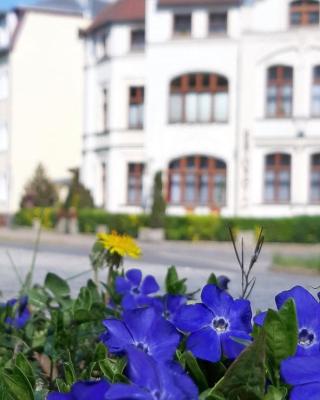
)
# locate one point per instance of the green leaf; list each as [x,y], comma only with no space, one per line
[18,384]
[23,364]
[245,379]
[38,297]
[195,371]
[69,373]
[112,368]
[212,279]
[281,337]
[275,393]
[58,286]
[173,284]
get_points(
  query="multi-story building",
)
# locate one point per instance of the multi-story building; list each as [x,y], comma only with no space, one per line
[41,94]
[222,96]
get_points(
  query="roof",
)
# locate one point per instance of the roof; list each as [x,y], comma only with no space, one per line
[120,11]
[78,7]
[170,3]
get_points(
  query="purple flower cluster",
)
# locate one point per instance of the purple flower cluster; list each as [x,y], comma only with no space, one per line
[19,313]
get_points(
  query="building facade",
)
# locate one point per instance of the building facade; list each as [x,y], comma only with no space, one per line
[41,94]
[221,96]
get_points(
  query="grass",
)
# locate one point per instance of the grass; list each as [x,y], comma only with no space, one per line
[310,263]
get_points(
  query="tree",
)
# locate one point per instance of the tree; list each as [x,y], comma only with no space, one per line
[40,191]
[78,196]
[158,208]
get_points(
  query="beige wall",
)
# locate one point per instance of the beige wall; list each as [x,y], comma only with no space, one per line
[46,98]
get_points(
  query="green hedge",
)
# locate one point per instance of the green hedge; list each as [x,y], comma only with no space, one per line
[190,227]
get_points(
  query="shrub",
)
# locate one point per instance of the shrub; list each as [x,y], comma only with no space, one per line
[78,196]
[158,209]
[39,191]
[25,217]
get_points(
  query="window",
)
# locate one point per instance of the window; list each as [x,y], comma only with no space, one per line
[304,12]
[315,101]
[105,109]
[137,39]
[279,91]
[3,137]
[199,98]
[277,183]
[182,24]
[134,190]
[136,107]
[315,178]
[197,181]
[218,22]
[101,42]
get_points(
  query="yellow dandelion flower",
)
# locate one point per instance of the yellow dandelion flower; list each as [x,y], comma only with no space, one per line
[123,245]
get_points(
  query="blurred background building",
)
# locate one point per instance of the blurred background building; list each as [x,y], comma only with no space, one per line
[41,92]
[221,96]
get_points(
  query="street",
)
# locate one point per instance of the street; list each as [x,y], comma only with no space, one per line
[195,261]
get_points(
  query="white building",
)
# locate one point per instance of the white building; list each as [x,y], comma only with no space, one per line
[222,97]
[41,94]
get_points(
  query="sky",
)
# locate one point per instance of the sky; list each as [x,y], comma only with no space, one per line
[5,4]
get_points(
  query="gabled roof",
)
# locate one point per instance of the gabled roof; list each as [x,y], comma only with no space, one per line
[120,11]
[169,3]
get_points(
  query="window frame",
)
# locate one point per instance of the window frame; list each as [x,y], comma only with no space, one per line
[185,89]
[305,10]
[279,83]
[277,168]
[137,47]
[137,100]
[211,171]
[314,167]
[137,174]
[217,32]
[178,34]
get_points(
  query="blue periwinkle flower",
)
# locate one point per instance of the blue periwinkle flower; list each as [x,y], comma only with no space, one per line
[153,381]
[145,329]
[21,313]
[308,315]
[169,305]
[215,323]
[303,373]
[134,290]
[83,391]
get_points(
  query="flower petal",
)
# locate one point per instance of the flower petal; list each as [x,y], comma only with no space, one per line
[139,322]
[193,317]
[142,369]
[60,396]
[259,318]
[163,340]
[240,315]
[134,276]
[149,285]
[231,348]
[205,344]
[122,285]
[117,337]
[306,392]
[90,390]
[120,391]
[129,302]
[307,306]
[217,300]
[301,370]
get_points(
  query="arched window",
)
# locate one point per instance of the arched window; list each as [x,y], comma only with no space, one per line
[315,100]
[279,91]
[315,178]
[199,98]
[197,180]
[277,182]
[304,12]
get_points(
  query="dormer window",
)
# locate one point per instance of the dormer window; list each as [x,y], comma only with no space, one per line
[138,39]
[218,23]
[182,24]
[304,12]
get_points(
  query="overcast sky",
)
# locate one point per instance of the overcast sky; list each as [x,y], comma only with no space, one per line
[5,4]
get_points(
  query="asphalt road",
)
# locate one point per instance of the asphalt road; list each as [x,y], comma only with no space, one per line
[194,261]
